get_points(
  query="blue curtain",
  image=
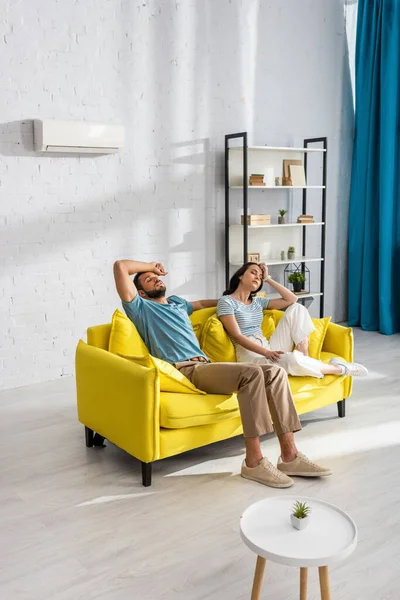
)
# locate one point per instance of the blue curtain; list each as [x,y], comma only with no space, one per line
[374,218]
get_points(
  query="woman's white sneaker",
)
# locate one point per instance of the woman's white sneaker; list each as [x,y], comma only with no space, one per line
[352,369]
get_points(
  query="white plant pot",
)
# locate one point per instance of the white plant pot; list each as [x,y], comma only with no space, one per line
[299,523]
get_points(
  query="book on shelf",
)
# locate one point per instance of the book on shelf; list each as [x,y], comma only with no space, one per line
[257,220]
[256,179]
[305,219]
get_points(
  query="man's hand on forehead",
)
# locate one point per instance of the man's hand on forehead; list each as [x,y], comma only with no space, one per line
[159,269]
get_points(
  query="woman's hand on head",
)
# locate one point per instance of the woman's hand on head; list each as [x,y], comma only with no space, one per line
[264,269]
[273,355]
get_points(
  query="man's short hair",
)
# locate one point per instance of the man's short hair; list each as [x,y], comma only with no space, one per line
[136,281]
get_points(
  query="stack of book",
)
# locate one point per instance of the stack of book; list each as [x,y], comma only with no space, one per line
[305,219]
[256,179]
[257,220]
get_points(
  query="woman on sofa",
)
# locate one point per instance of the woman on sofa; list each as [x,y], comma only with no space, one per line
[241,313]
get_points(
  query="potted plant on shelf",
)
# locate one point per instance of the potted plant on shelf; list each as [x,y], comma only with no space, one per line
[300,515]
[281,218]
[291,253]
[297,279]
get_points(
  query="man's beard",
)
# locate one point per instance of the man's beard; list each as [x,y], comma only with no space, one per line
[157,293]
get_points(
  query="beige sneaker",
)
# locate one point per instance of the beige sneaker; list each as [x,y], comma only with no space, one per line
[266,473]
[302,466]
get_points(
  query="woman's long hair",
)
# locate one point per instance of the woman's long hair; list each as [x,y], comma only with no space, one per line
[235,280]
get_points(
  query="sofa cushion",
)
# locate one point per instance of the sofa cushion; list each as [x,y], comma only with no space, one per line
[317,337]
[183,410]
[301,386]
[215,342]
[124,337]
[199,318]
[171,380]
[268,323]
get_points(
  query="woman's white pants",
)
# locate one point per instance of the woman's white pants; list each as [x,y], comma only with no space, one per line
[293,328]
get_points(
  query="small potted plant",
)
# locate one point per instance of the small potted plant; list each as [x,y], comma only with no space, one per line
[297,279]
[291,253]
[299,517]
[281,218]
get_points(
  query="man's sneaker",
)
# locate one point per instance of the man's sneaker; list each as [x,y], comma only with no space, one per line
[353,369]
[266,473]
[302,466]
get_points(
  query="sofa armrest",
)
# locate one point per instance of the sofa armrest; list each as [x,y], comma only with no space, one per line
[120,400]
[339,340]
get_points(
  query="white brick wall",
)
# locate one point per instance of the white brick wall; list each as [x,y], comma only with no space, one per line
[178,76]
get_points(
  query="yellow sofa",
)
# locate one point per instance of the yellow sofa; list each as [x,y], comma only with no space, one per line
[121,400]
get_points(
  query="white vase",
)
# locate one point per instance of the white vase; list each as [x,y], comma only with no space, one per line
[299,523]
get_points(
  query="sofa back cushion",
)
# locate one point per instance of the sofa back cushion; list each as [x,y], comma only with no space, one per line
[317,337]
[124,337]
[199,318]
[268,323]
[216,343]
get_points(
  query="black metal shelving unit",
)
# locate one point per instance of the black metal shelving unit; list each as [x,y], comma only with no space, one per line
[306,144]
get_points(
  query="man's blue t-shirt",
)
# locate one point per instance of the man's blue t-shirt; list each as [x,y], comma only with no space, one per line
[165,328]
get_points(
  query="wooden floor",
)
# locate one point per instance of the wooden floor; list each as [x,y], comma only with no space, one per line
[75,523]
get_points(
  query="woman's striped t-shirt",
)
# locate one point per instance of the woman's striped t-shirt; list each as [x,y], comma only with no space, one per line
[248,316]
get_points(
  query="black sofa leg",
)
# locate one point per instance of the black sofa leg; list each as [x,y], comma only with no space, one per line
[98,440]
[89,434]
[146,474]
[341,405]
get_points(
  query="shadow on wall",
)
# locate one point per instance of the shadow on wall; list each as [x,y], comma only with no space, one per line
[69,228]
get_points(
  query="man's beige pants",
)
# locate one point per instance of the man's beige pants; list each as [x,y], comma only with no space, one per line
[262,391]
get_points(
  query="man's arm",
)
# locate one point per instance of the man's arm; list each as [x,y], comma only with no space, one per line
[123,269]
[198,304]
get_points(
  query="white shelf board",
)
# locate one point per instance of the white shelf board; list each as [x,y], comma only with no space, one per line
[279,187]
[279,225]
[279,149]
[309,295]
[277,261]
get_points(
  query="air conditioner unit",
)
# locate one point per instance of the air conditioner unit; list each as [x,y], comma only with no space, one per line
[77,136]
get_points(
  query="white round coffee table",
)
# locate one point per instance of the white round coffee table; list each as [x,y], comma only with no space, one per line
[266,529]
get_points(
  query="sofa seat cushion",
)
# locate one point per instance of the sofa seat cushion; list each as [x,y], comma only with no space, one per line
[188,410]
[306,388]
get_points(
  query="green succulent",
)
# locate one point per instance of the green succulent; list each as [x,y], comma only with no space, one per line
[301,510]
[297,277]
[282,212]
[291,249]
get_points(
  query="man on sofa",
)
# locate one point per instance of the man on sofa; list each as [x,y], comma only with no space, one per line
[262,390]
